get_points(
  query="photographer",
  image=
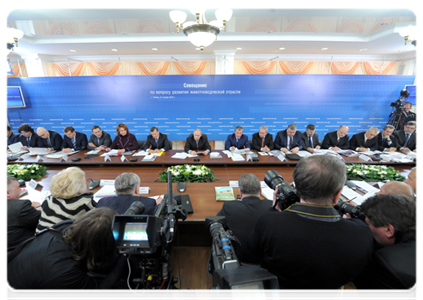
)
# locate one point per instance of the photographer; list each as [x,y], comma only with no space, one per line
[392,219]
[61,258]
[241,216]
[309,245]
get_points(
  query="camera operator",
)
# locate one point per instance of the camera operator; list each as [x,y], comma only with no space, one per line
[407,115]
[309,245]
[127,186]
[241,216]
[61,258]
[392,219]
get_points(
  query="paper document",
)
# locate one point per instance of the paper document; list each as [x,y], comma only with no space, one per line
[93,152]
[106,182]
[39,151]
[56,155]
[105,191]
[181,155]
[113,152]
[16,148]
[215,155]
[237,157]
[233,183]
[267,193]
[324,151]
[304,153]
[141,153]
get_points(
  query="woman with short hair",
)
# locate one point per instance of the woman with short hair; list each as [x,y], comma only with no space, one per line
[69,198]
[124,141]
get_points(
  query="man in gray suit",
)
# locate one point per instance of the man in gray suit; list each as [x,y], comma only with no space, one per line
[311,138]
[99,140]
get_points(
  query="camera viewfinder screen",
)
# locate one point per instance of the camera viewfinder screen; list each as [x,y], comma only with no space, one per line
[248,291]
[135,232]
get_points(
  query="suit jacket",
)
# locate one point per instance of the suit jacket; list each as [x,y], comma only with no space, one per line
[13,138]
[81,142]
[151,143]
[56,141]
[22,219]
[331,140]
[384,144]
[128,142]
[231,141]
[257,141]
[405,119]
[241,217]
[281,140]
[121,203]
[203,143]
[314,140]
[105,140]
[33,142]
[357,140]
[400,135]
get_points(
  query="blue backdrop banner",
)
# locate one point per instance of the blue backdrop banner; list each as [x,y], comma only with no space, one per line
[178,104]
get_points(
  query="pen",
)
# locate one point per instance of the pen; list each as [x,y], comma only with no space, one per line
[361,189]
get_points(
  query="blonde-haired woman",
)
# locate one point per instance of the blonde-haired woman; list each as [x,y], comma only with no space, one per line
[69,198]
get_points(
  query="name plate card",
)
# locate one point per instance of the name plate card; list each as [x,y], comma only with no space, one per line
[65,157]
[39,158]
[282,158]
[143,190]
[33,184]
[364,157]
[107,158]
[123,158]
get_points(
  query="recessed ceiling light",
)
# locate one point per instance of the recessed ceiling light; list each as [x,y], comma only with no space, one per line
[238,48]
[324,49]
[115,50]
[154,49]
[197,49]
[365,49]
[281,48]
[72,50]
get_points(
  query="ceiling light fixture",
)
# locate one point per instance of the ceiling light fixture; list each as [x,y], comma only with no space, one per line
[201,33]
[281,48]
[73,50]
[154,49]
[12,37]
[323,49]
[410,34]
[238,48]
[114,50]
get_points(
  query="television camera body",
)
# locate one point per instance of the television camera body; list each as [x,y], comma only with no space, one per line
[224,265]
[397,109]
[147,240]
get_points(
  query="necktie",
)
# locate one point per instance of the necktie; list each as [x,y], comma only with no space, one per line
[157,143]
[310,142]
[290,142]
[407,135]
[74,143]
[366,142]
[339,140]
[27,141]
[383,141]
[237,139]
[99,144]
[197,144]
[48,142]
[262,142]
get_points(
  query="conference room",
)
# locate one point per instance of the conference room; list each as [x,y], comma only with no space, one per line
[173,74]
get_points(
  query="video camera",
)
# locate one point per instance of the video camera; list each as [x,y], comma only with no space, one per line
[287,195]
[148,239]
[227,271]
[355,211]
[399,104]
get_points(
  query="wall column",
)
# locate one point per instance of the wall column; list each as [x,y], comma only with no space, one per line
[225,61]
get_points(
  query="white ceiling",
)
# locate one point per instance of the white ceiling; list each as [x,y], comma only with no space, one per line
[382,43]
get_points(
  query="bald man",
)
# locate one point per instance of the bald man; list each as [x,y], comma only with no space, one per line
[337,140]
[49,139]
[396,187]
[411,179]
[365,141]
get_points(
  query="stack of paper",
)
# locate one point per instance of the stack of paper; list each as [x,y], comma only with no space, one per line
[149,158]
[16,148]
[304,153]
[39,151]
[93,152]
[106,191]
[181,155]
[113,152]
[215,155]
[267,193]
[141,153]
[237,157]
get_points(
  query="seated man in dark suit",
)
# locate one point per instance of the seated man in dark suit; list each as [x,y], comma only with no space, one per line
[392,219]
[337,140]
[365,141]
[127,186]
[197,141]
[413,180]
[406,116]
[241,216]
[99,140]
[28,137]
[407,137]
[156,142]
[237,140]
[49,139]
[22,217]
[311,138]
[289,140]
[73,141]
[11,136]
[386,141]
[262,140]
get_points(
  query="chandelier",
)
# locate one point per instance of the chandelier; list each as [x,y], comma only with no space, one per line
[410,34]
[201,33]
[12,37]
